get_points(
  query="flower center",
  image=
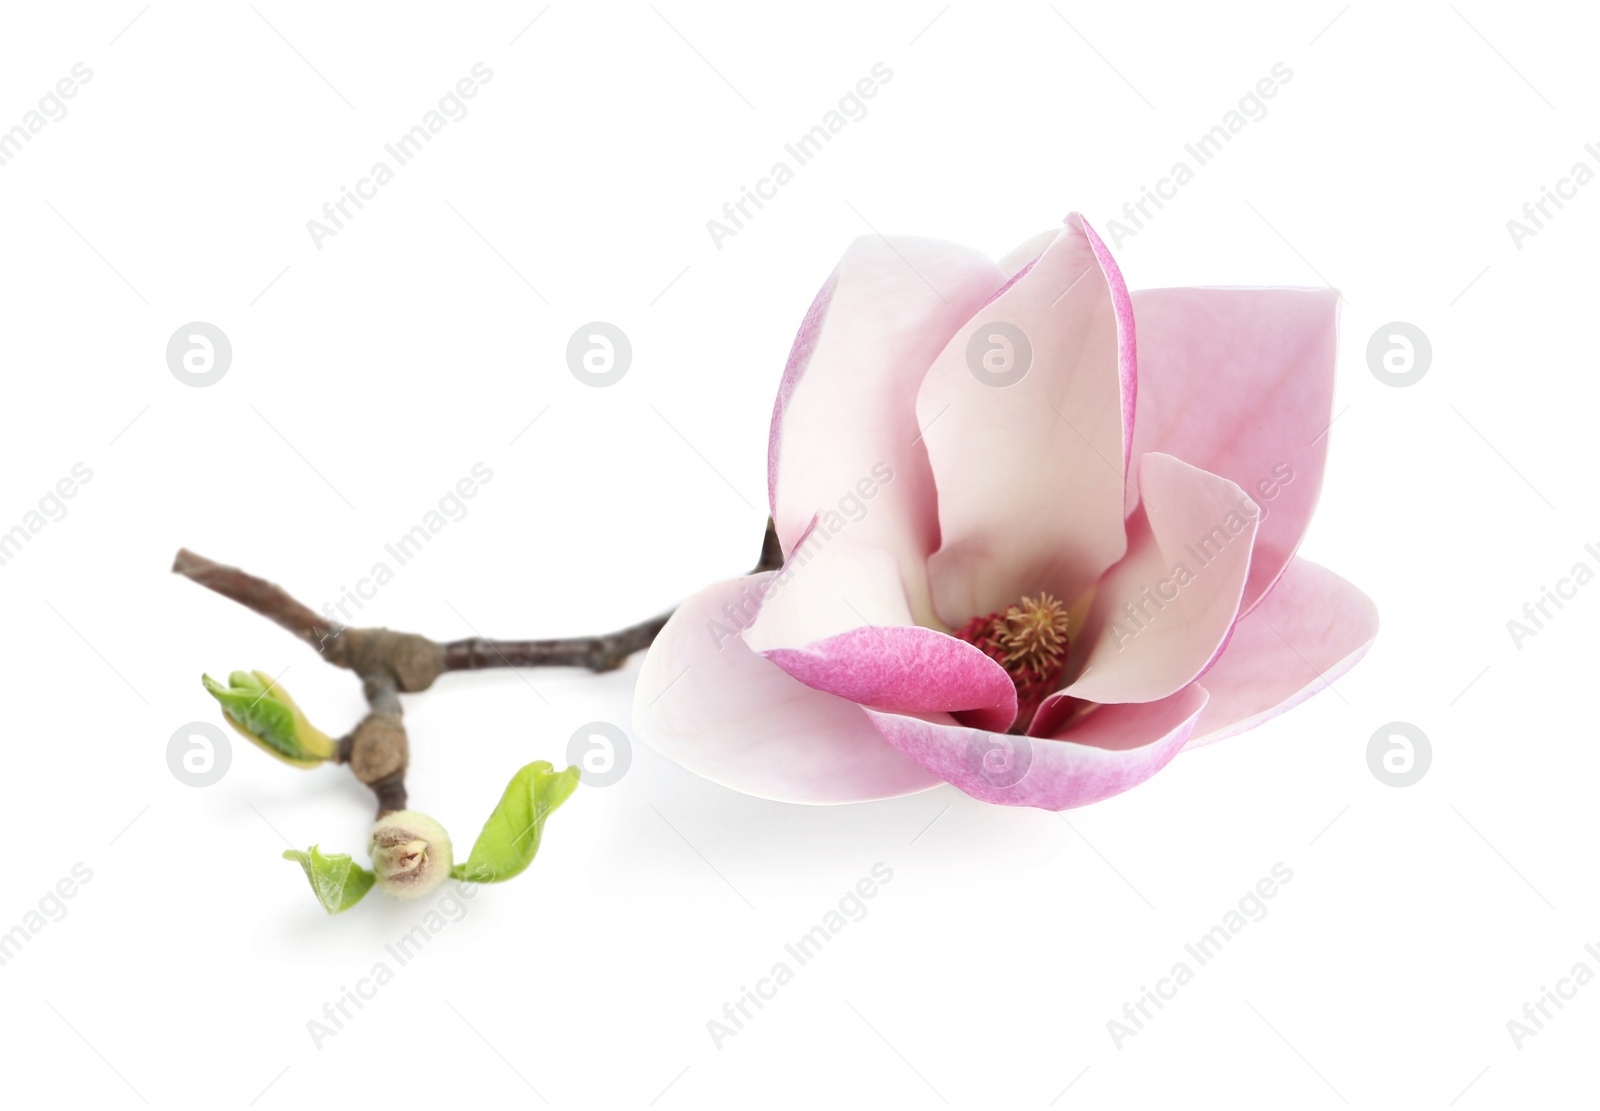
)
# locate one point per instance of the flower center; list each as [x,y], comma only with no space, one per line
[1029,640]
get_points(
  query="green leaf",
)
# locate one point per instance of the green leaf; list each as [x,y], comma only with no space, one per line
[262,711]
[337,880]
[510,837]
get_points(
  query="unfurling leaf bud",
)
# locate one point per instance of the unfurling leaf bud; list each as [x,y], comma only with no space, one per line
[511,836]
[410,853]
[338,882]
[261,710]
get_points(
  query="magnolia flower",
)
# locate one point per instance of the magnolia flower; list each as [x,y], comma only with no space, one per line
[1026,553]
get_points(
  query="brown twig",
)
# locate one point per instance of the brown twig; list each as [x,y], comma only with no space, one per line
[391,663]
[378,751]
[267,599]
[601,653]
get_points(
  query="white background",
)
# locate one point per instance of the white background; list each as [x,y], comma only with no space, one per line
[370,375]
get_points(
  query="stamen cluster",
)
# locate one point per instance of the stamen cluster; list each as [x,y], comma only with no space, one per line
[1030,641]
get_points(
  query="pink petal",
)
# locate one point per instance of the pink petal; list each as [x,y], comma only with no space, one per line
[836,619]
[1240,382]
[845,441]
[1312,628]
[1107,751]
[707,702]
[1162,613]
[906,669]
[1030,474]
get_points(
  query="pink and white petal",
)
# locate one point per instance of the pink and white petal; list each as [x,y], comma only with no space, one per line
[707,702]
[835,618]
[1311,629]
[1014,260]
[1104,752]
[1030,474]
[830,583]
[1160,616]
[844,429]
[1240,382]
